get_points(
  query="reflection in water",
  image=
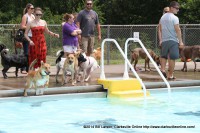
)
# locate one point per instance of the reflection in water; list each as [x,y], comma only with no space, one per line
[189,113]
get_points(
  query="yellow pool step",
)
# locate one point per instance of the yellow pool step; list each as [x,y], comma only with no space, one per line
[123,88]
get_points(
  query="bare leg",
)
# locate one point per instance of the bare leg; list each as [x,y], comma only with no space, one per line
[163,64]
[171,68]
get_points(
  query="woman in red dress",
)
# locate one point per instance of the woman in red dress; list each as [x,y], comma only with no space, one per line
[37,44]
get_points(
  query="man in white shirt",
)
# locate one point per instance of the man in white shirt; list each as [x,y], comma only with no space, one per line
[170,39]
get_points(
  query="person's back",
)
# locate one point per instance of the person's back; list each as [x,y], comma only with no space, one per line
[168,20]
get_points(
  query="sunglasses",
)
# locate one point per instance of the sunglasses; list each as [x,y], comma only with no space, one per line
[32,8]
[38,14]
[177,8]
[89,3]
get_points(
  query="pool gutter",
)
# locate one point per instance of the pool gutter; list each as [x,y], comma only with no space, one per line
[93,88]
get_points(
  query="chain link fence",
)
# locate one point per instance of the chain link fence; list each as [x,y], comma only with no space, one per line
[147,34]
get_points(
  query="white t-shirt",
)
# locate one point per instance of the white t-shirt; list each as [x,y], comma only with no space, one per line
[28,21]
[168,21]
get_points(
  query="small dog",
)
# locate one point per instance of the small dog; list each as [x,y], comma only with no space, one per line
[38,77]
[97,53]
[88,67]
[139,53]
[18,61]
[70,64]
[60,62]
[189,52]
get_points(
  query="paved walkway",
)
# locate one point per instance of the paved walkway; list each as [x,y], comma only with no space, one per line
[110,71]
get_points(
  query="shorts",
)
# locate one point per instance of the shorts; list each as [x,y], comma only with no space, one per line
[170,49]
[87,44]
[69,49]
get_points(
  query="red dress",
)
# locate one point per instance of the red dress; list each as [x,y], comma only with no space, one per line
[38,50]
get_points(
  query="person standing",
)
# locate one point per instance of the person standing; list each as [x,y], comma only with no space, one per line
[170,39]
[37,47]
[86,21]
[27,18]
[70,34]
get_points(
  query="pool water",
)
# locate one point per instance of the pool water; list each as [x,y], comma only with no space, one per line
[179,113]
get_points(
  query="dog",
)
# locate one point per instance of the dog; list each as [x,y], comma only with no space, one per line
[139,53]
[2,46]
[18,61]
[60,62]
[37,78]
[88,67]
[71,65]
[189,52]
[97,54]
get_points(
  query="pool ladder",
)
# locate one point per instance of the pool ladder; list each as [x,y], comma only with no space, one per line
[126,87]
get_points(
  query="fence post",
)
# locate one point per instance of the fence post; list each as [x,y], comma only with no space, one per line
[108,46]
[184,34]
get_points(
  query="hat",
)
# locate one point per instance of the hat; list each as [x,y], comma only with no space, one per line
[174,4]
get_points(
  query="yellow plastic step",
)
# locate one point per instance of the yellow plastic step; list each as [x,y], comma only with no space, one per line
[128,94]
[120,84]
[123,88]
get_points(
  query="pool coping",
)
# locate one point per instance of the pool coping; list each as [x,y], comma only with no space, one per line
[93,88]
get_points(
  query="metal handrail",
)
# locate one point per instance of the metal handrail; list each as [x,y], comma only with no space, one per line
[102,75]
[126,76]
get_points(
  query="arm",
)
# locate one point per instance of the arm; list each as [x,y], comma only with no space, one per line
[23,23]
[50,32]
[76,32]
[28,26]
[160,34]
[178,32]
[99,31]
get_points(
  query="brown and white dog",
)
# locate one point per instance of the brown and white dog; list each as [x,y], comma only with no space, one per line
[71,65]
[139,53]
[37,78]
[88,67]
[189,52]
[97,54]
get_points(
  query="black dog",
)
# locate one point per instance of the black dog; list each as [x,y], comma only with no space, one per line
[2,46]
[19,36]
[7,61]
[60,61]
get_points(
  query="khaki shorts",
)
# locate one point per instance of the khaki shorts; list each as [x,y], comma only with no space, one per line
[87,44]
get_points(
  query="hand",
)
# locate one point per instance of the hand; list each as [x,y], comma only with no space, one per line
[57,35]
[181,45]
[31,43]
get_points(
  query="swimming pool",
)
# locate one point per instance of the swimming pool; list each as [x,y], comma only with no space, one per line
[92,112]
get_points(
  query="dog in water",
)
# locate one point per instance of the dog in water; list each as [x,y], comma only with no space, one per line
[60,62]
[13,60]
[70,65]
[139,53]
[189,52]
[88,67]
[37,78]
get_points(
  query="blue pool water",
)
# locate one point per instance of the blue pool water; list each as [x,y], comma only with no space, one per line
[179,113]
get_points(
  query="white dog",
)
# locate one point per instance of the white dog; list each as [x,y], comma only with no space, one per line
[88,67]
[60,62]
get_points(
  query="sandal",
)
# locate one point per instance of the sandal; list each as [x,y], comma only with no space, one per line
[171,78]
[164,74]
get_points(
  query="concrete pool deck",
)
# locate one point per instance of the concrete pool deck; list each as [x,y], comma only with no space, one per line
[151,79]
